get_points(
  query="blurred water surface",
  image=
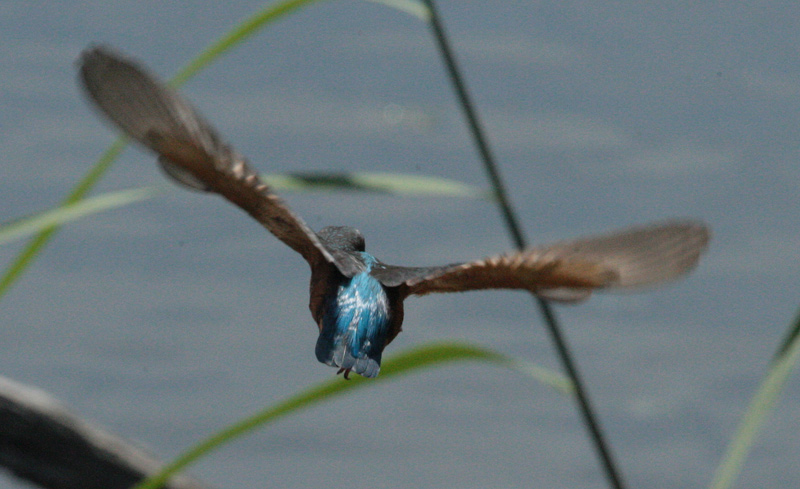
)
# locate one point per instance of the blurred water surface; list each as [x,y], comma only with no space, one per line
[167,320]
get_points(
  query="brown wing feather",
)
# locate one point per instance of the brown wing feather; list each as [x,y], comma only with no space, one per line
[189,148]
[570,270]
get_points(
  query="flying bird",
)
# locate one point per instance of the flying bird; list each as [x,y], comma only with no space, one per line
[356,299]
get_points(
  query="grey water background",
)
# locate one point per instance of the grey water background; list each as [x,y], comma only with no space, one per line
[165,321]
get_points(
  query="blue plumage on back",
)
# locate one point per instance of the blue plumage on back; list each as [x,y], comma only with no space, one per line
[355,323]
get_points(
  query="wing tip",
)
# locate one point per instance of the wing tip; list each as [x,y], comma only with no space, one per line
[677,246]
[95,60]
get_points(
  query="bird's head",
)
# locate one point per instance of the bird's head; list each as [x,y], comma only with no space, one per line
[342,238]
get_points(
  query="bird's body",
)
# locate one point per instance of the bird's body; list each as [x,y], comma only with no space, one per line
[355,322]
[355,299]
[357,315]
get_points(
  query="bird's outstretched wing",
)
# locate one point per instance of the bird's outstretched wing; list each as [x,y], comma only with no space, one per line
[189,149]
[570,270]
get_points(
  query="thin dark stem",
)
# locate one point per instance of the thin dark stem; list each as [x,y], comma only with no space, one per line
[512,223]
[475,126]
[582,395]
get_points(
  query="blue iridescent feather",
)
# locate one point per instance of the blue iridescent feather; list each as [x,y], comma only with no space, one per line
[355,323]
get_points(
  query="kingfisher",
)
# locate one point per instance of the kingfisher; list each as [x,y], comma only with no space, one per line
[357,300]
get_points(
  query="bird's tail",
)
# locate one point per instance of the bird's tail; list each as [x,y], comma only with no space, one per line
[338,351]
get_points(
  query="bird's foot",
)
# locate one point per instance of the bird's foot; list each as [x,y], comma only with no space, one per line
[346,373]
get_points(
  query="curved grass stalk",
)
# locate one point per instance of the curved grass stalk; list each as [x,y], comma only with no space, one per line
[385,183]
[271,13]
[418,358]
[25,258]
[63,214]
[761,405]
[375,182]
